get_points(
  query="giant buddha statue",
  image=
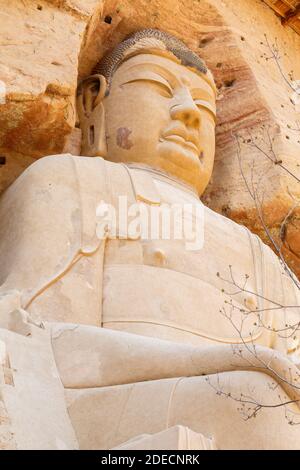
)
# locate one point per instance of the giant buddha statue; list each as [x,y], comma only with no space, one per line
[106,335]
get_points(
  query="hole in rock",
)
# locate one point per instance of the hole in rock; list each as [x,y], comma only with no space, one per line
[108,19]
[229,83]
[205,40]
[92,135]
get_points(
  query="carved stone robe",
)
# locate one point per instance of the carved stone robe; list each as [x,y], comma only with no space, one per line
[54,264]
[51,254]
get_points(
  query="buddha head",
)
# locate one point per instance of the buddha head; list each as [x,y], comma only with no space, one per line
[151,102]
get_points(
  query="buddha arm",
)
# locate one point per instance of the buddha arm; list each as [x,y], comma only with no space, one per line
[279,311]
[286,320]
[283,302]
[97,357]
[38,234]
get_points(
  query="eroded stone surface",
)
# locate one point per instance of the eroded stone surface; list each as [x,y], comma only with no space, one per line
[39,49]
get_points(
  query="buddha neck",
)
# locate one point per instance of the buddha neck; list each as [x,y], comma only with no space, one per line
[164,176]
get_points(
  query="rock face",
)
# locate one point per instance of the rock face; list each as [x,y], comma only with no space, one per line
[45,45]
[272,114]
[39,44]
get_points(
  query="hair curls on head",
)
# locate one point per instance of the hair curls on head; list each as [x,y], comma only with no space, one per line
[147,39]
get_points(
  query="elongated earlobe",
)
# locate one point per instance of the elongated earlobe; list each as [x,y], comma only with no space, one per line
[91,113]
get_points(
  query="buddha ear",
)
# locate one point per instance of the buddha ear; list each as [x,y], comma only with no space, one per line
[91,114]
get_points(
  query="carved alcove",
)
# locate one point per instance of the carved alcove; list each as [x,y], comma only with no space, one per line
[245,105]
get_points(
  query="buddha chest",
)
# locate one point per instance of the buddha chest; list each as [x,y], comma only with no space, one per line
[161,287]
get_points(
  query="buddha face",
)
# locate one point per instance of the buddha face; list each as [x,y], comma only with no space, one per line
[162,114]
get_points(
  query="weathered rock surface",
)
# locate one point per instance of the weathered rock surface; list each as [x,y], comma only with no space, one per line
[39,47]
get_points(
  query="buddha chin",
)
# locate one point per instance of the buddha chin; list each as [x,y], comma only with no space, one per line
[180,154]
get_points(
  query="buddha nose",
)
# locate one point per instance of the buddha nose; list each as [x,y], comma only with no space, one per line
[186,111]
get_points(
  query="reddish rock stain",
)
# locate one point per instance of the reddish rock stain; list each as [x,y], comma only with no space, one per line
[123,140]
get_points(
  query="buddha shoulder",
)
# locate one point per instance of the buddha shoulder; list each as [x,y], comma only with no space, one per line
[58,168]
[59,173]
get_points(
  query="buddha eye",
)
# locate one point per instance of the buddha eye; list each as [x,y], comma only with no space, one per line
[162,88]
[206,108]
